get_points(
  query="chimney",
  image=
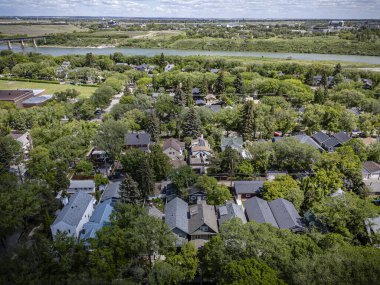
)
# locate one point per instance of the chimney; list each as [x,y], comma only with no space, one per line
[202,136]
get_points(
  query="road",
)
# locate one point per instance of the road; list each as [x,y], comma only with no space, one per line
[115,100]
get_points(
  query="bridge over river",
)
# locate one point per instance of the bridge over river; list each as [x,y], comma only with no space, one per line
[22,41]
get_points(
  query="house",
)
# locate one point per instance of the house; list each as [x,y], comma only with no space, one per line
[173,148]
[100,218]
[74,215]
[140,140]
[320,138]
[177,220]
[371,170]
[196,91]
[203,223]
[24,139]
[169,67]
[236,143]
[66,64]
[210,99]
[373,226]
[367,83]
[15,96]
[373,186]
[279,213]
[85,186]
[230,211]
[247,189]
[308,140]
[111,192]
[214,70]
[272,174]
[342,137]
[331,144]
[36,101]
[200,102]
[98,155]
[200,154]
[197,195]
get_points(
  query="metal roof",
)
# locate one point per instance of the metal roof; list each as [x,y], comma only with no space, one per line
[176,215]
[73,212]
[82,184]
[37,99]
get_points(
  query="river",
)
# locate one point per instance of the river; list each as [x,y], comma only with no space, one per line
[57,51]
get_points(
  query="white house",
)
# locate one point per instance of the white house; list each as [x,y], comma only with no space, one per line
[23,139]
[201,152]
[74,215]
[86,186]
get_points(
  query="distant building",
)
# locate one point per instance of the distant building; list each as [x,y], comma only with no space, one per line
[169,67]
[74,215]
[236,143]
[16,96]
[371,170]
[200,154]
[24,139]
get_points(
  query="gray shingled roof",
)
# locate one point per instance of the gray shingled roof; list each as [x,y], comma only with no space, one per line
[141,138]
[173,143]
[234,142]
[248,187]
[342,137]
[280,213]
[176,215]
[285,214]
[37,99]
[320,137]
[202,214]
[371,166]
[331,142]
[308,140]
[230,211]
[258,210]
[88,183]
[112,191]
[73,212]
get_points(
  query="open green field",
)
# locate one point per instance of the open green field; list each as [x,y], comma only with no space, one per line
[38,30]
[85,91]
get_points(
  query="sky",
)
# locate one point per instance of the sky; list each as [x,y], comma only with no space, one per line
[253,9]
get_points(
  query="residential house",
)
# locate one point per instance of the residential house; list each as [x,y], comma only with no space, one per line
[24,139]
[279,213]
[99,219]
[210,99]
[196,93]
[373,227]
[367,83]
[36,101]
[98,155]
[85,186]
[331,144]
[230,211]
[200,154]
[111,192]
[236,143]
[140,140]
[202,222]
[320,138]
[247,189]
[342,137]
[177,219]
[173,148]
[196,195]
[308,140]
[371,170]
[169,67]
[216,108]
[74,215]
[200,102]
[214,70]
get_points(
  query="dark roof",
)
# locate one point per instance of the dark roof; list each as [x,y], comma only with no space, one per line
[342,137]
[141,138]
[371,166]
[320,137]
[195,90]
[202,214]
[248,187]
[112,191]
[331,142]
[308,140]
[14,95]
[229,211]
[176,215]
[258,210]
[279,213]
[173,143]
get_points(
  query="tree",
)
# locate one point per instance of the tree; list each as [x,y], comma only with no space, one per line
[216,194]
[180,97]
[220,85]
[9,149]
[62,96]
[130,192]
[183,177]
[102,96]
[145,176]
[238,84]
[229,161]
[89,60]
[161,61]
[40,165]
[160,163]
[153,127]
[84,168]
[191,127]
[284,186]
[110,137]
[249,271]
[337,69]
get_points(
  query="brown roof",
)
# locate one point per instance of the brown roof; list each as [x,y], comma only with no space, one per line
[173,143]
[176,163]
[368,141]
[15,95]
[371,166]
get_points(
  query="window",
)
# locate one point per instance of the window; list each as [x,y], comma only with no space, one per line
[248,195]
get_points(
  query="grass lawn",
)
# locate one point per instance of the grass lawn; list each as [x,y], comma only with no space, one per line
[38,30]
[85,91]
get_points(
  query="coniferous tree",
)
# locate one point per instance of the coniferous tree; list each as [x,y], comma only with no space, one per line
[153,127]
[309,77]
[238,84]
[220,85]
[145,176]
[204,86]
[130,192]
[179,97]
[191,126]
[127,91]
[337,69]
[162,61]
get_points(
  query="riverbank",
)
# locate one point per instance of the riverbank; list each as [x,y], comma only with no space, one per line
[249,57]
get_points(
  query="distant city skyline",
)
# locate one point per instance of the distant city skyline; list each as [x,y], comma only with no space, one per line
[252,9]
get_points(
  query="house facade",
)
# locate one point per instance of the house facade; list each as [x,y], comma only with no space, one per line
[247,189]
[173,148]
